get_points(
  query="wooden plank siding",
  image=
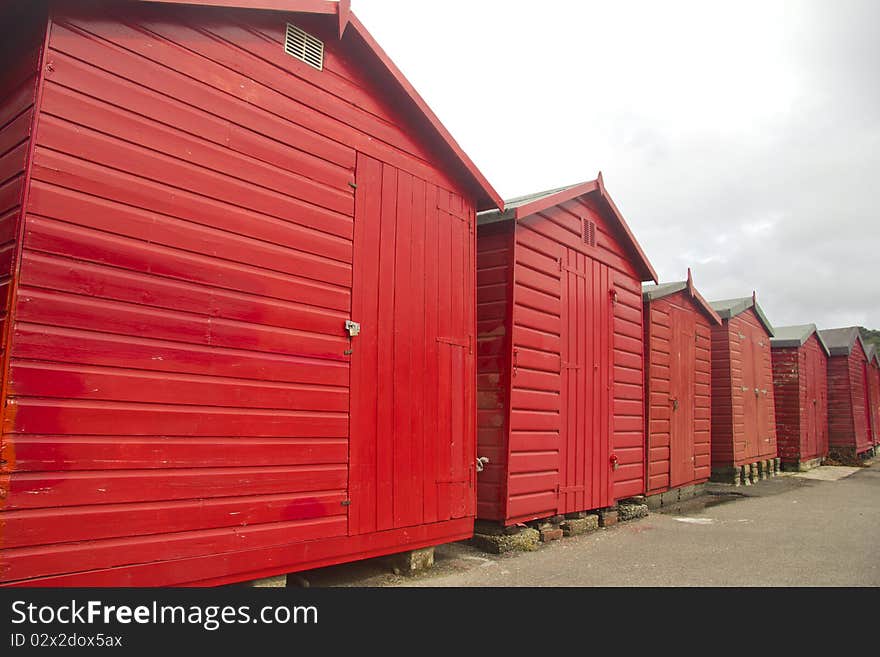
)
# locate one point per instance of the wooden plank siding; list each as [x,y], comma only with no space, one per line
[743,424]
[660,315]
[564,426]
[180,375]
[813,363]
[21,53]
[847,411]
[874,380]
[789,387]
[494,307]
[801,398]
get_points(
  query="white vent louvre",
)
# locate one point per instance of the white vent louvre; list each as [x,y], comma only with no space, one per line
[304,47]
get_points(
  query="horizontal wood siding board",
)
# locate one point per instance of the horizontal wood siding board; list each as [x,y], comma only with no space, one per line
[494,305]
[21,52]
[787,378]
[722,397]
[841,428]
[254,562]
[857,370]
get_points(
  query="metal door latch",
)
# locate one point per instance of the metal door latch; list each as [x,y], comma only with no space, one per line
[481,463]
[353,328]
[674,404]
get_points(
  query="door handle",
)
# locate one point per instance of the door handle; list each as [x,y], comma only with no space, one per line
[674,404]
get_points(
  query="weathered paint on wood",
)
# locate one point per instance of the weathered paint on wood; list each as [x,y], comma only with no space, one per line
[743,424]
[494,316]
[678,400]
[848,410]
[800,388]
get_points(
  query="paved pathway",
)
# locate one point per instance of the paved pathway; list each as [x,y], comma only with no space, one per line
[818,529]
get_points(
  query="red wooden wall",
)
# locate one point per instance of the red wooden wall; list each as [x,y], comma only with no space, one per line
[743,424]
[801,397]
[494,306]
[874,381]
[181,383]
[847,398]
[678,364]
[576,377]
[20,52]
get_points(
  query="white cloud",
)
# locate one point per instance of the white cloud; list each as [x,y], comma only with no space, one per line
[740,137]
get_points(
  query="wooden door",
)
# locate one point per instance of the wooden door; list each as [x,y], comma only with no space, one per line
[681,380]
[764,412]
[413,404]
[585,479]
[810,444]
[750,392]
[869,415]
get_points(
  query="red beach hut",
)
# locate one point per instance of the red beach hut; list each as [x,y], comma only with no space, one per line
[800,386]
[743,421]
[238,270]
[678,371]
[561,383]
[850,422]
[874,386]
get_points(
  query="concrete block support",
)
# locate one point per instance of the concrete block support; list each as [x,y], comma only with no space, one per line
[412,562]
[727,475]
[632,511]
[277,582]
[526,539]
[578,526]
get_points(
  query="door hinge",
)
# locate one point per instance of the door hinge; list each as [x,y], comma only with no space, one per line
[353,185]
[345,502]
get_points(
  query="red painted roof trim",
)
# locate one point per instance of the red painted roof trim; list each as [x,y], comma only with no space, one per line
[695,296]
[597,185]
[547,202]
[704,305]
[487,197]
[302,6]
[343,12]
[490,198]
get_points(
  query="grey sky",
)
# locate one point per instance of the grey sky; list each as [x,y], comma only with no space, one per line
[739,138]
